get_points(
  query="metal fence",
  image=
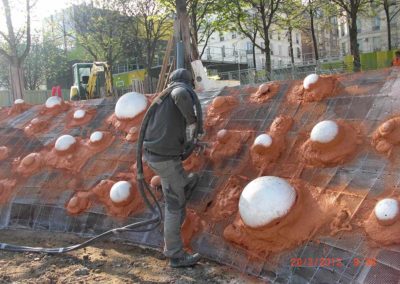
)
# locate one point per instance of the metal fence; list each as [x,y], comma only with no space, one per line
[31,97]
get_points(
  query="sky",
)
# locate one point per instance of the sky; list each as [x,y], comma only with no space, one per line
[42,9]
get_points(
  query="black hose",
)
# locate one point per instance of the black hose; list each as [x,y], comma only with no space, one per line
[141,183]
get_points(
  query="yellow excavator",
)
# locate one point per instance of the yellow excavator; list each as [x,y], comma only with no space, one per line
[91,80]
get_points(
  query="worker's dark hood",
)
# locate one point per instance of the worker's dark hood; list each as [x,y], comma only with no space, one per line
[182,76]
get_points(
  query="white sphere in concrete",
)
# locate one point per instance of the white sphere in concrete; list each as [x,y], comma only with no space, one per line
[96,136]
[310,79]
[386,209]
[79,114]
[64,142]
[53,101]
[264,200]
[324,131]
[120,191]
[263,140]
[130,105]
[19,101]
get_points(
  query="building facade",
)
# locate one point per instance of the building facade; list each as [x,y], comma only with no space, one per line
[372,33]
[231,47]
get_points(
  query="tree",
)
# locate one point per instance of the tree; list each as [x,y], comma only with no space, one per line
[154,23]
[389,14]
[34,66]
[290,18]
[16,48]
[259,13]
[100,30]
[352,8]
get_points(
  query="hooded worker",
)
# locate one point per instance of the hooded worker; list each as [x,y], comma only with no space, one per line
[165,145]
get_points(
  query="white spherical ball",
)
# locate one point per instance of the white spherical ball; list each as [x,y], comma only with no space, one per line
[96,136]
[263,140]
[324,131]
[310,79]
[53,101]
[19,101]
[386,209]
[79,114]
[64,142]
[130,105]
[265,199]
[120,191]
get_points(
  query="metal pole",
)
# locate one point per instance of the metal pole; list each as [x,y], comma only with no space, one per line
[180,55]
[239,64]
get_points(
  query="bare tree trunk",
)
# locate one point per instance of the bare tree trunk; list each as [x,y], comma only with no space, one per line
[16,80]
[291,44]
[354,44]
[389,32]
[314,38]
[268,66]
[183,18]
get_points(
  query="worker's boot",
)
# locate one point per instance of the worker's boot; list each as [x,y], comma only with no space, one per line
[193,179]
[185,261]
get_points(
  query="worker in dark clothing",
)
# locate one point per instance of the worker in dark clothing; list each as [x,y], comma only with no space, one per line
[164,144]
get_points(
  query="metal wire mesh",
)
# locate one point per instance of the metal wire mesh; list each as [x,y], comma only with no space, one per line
[368,172]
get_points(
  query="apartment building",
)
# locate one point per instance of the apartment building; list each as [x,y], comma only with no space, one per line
[372,33]
[231,47]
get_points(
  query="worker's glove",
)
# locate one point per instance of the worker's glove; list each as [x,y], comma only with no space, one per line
[190,131]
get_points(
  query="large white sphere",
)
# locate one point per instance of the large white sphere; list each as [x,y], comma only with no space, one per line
[264,140]
[130,105]
[310,79]
[265,199]
[386,209]
[96,136]
[120,191]
[53,101]
[324,131]
[79,114]
[64,142]
[19,101]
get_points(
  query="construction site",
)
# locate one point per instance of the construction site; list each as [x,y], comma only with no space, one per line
[299,179]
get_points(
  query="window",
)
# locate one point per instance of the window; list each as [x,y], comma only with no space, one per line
[358,22]
[270,35]
[279,50]
[376,43]
[279,36]
[263,47]
[298,52]
[221,37]
[223,51]
[209,53]
[360,45]
[233,35]
[271,47]
[297,38]
[289,51]
[344,51]
[249,47]
[376,25]
[342,29]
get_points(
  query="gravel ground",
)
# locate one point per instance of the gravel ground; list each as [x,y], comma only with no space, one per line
[104,262]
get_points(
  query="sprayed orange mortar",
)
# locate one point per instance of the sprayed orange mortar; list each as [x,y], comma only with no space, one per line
[192,225]
[72,159]
[325,87]
[55,110]
[225,203]
[36,126]
[4,152]
[264,93]
[312,210]
[7,189]
[74,122]
[384,234]
[338,152]
[386,136]
[264,157]
[125,125]
[218,109]
[229,144]
[19,108]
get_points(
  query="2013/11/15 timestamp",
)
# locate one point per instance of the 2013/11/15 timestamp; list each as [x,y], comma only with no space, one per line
[329,262]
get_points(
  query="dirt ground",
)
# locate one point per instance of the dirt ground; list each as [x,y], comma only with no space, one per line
[104,262]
